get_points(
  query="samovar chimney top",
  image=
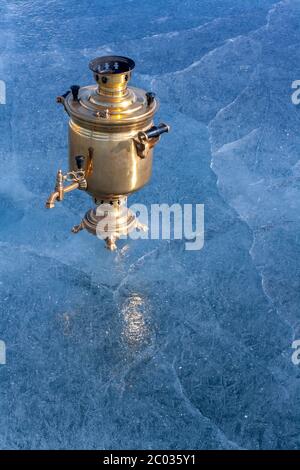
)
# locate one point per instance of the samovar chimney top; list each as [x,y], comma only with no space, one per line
[111,64]
[112,73]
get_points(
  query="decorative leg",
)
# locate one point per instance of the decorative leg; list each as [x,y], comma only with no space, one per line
[111,243]
[77,228]
[142,227]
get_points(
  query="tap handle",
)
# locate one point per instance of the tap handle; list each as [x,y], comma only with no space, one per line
[80,161]
[75,90]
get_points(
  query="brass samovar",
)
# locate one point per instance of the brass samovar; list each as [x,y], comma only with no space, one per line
[111,141]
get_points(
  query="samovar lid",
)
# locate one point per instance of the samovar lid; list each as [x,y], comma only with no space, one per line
[111,102]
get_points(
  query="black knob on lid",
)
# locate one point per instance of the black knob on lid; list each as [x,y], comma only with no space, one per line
[75,90]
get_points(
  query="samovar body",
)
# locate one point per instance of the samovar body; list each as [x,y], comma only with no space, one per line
[117,168]
[111,140]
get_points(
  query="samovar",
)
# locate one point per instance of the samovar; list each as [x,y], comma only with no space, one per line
[111,140]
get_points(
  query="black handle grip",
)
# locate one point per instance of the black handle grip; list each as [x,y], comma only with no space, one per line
[80,161]
[156,131]
[75,90]
[61,98]
[66,94]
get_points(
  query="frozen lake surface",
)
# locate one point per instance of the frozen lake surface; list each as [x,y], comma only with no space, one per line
[153,346]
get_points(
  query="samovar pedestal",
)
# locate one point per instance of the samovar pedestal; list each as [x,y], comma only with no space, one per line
[110,220]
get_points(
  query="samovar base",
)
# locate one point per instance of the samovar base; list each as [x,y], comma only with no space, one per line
[110,220]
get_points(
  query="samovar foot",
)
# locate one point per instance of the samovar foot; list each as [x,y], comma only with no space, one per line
[110,243]
[141,227]
[78,228]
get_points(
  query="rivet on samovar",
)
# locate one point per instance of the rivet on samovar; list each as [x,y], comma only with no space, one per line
[111,141]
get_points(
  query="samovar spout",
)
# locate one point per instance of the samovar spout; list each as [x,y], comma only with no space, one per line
[52,200]
[78,181]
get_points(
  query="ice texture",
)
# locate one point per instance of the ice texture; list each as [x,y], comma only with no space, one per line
[153,346]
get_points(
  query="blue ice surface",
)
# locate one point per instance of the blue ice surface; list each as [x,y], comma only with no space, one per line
[154,346]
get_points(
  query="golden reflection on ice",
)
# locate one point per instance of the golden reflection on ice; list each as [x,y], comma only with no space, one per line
[135,329]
